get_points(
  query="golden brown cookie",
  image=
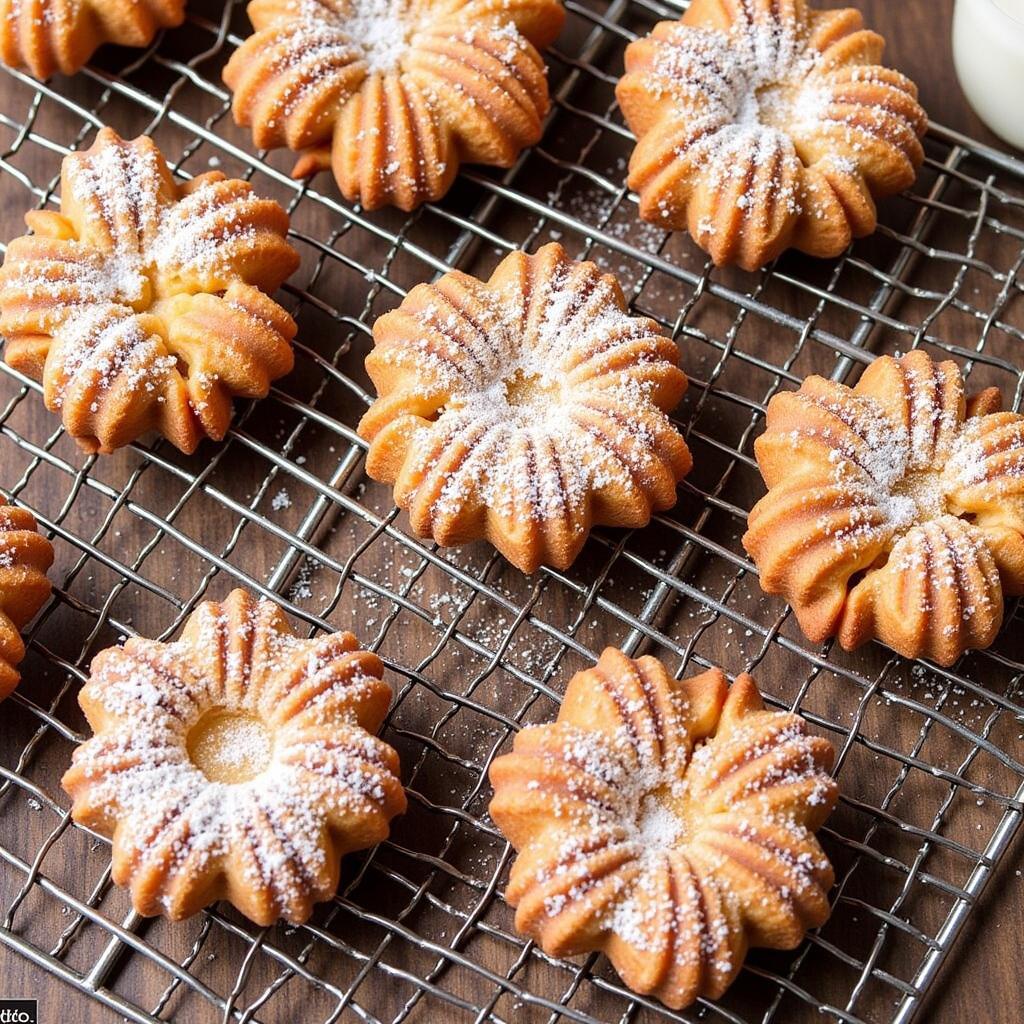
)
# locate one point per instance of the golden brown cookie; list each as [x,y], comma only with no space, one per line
[763,125]
[666,823]
[393,95]
[895,509]
[25,555]
[238,763]
[61,35]
[142,305]
[525,409]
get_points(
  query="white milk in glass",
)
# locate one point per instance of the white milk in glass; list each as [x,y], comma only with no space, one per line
[988,50]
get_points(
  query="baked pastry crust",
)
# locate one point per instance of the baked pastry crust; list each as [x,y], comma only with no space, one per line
[47,36]
[263,820]
[668,824]
[394,94]
[141,305]
[763,125]
[25,556]
[524,409]
[895,509]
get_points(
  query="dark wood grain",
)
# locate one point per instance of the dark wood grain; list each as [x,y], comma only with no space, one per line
[980,983]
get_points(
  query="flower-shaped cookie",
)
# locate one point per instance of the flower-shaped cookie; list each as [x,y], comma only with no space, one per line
[669,824]
[61,35]
[525,409]
[25,555]
[895,509]
[237,763]
[141,304]
[763,125]
[394,94]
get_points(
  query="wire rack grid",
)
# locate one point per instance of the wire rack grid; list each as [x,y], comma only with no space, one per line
[928,759]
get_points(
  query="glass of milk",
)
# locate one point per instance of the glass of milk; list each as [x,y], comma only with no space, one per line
[988,51]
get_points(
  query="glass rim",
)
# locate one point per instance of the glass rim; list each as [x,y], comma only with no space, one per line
[1013,18]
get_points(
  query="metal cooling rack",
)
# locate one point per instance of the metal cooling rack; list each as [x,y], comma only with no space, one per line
[929,760]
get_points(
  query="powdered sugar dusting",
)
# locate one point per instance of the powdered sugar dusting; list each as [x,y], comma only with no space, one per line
[142,232]
[532,447]
[281,719]
[108,344]
[659,827]
[905,471]
[735,82]
[759,95]
[381,29]
[326,34]
[900,498]
[544,394]
[640,816]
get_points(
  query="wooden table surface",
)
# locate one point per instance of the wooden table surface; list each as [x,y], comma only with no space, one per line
[981,982]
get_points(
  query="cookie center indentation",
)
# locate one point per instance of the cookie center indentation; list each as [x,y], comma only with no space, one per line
[530,390]
[659,822]
[381,29]
[787,107]
[918,497]
[230,746]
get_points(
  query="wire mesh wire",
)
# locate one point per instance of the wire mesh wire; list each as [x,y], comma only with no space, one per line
[929,759]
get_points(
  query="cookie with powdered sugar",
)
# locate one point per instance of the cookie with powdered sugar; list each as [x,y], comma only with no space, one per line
[895,509]
[143,304]
[237,763]
[524,409]
[666,823]
[763,126]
